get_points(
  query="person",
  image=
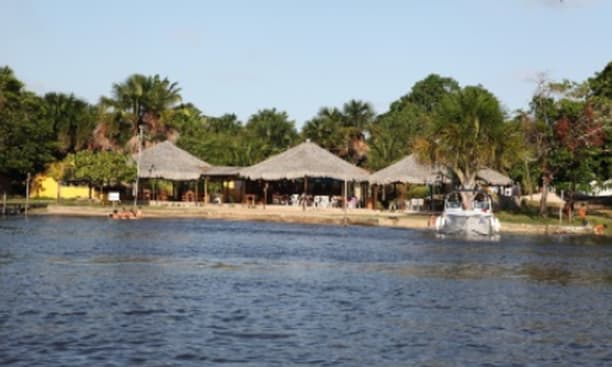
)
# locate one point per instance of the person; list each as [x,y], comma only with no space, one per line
[582,213]
[114,214]
[599,229]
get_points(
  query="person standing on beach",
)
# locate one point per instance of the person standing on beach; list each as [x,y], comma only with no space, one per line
[582,213]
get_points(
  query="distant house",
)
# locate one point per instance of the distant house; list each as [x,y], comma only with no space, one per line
[47,187]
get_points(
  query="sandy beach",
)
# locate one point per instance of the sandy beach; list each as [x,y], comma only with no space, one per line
[288,214]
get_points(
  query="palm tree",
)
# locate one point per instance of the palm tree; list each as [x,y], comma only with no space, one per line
[358,117]
[73,120]
[271,132]
[467,135]
[141,100]
[326,130]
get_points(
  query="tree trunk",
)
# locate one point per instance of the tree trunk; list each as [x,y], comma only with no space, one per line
[528,179]
[545,183]
[466,198]
[468,181]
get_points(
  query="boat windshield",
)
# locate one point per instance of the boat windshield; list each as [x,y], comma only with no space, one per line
[453,201]
[481,202]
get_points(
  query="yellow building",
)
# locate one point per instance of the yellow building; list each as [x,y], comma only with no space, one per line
[46,187]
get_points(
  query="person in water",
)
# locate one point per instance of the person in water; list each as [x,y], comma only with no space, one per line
[599,229]
[126,214]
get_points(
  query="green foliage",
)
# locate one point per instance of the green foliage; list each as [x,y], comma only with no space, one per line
[100,168]
[427,94]
[268,132]
[326,129]
[601,83]
[467,131]
[73,121]
[417,192]
[140,100]
[27,141]
[343,132]
[392,135]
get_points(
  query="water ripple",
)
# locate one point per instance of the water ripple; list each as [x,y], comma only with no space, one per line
[88,291]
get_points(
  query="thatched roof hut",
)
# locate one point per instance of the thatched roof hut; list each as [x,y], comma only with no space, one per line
[493,177]
[304,160]
[166,160]
[406,170]
[410,170]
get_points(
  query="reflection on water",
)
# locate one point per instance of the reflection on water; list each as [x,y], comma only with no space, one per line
[191,292]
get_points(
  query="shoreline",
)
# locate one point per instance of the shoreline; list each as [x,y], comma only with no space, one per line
[285,214]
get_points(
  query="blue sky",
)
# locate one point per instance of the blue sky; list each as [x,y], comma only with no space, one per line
[297,56]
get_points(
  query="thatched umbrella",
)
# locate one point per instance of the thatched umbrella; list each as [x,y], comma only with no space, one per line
[166,160]
[304,160]
[493,177]
[406,170]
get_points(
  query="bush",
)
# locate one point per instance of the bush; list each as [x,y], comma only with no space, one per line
[417,192]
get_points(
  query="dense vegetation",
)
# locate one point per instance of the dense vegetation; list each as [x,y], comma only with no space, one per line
[563,139]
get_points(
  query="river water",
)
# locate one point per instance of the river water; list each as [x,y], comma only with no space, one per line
[91,291]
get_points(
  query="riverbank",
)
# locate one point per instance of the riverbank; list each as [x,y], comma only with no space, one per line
[287,214]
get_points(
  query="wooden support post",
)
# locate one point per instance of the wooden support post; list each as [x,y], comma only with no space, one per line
[374,196]
[197,194]
[27,201]
[3,203]
[205,190]
[345,200]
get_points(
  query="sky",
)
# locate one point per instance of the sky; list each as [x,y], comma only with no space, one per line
[241,56]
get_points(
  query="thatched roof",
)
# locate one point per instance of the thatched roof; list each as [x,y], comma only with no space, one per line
[493,177]
[220,171]
[406,170]
[304,160]
[166,160]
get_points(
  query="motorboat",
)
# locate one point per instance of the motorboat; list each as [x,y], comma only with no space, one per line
[479,220]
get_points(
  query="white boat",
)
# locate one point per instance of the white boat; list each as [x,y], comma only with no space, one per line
[479,220]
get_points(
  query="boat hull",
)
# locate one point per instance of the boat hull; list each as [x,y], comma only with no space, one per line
[468,223]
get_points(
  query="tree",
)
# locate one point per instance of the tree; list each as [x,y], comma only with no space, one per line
[326,129]
[139,100]
[465,134]
[100,168]
[26,133]
[270,132]
[225,124]
[392,135]
[569,132]
[427,94]
[357,119]
[73,121]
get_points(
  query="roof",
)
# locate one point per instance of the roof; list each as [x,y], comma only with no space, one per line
[406,170]
[304,160]
[166,160]
[222,171]
[493,177]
